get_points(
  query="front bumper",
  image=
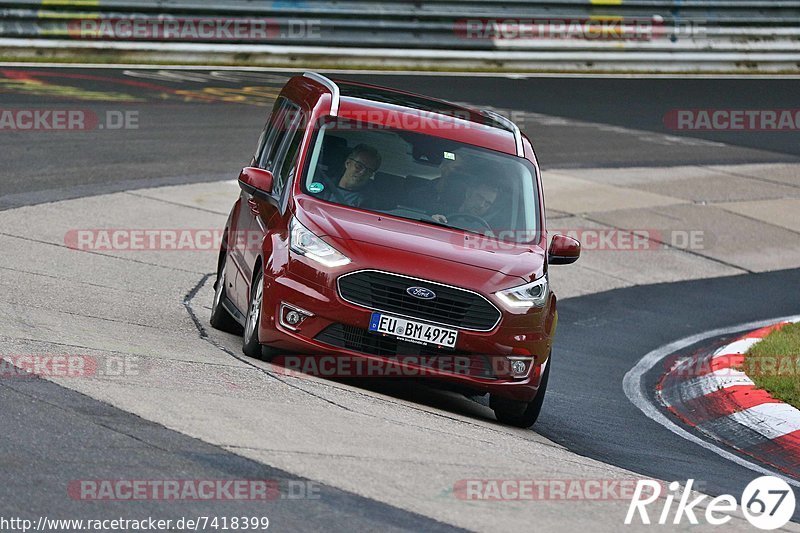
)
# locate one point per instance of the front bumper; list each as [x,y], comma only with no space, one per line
[480,362]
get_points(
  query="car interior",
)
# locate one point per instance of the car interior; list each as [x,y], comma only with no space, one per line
[397,187]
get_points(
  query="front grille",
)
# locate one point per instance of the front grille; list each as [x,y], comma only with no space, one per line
[387,292]
[364,341]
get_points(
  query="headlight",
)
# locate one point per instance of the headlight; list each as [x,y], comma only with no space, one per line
[303,242]
[532,294]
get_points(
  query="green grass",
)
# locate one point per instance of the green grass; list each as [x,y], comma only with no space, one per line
[774,364]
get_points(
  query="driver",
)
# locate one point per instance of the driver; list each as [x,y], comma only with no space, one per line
[478,200]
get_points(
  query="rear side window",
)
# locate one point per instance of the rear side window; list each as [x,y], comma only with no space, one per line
[286,161]
[268,134]
[280,126]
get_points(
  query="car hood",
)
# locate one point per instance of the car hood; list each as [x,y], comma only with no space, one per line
[343,227]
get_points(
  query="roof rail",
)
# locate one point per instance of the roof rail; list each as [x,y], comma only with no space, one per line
[510,126]
[327,82]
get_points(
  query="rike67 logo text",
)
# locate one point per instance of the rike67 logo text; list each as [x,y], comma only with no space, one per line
[767,503]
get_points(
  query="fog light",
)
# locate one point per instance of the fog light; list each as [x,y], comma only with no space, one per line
[518,367]
[291,316]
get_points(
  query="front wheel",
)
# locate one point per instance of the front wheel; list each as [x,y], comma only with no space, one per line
[251,345]
[517,413]
[221,319]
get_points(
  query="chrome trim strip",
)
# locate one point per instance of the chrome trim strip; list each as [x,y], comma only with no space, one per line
[300,310]
[339,291]
[497,117]
[332,87]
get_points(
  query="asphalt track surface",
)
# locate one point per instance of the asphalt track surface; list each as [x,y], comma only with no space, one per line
[186,134]
[600,337]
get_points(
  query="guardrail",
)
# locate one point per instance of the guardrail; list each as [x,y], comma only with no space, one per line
[743,35]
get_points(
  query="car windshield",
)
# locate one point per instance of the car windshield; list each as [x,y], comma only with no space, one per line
[424,178]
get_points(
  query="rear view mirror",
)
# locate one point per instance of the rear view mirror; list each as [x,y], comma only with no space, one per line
[256,181]
[563,250]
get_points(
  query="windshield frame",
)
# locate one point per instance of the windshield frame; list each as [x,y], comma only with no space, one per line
[532,236]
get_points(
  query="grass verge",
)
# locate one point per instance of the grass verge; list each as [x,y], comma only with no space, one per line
[774,364]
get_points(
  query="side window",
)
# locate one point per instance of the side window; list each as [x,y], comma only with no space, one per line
[268,134]
[259,146]
[287,166]
[280,127]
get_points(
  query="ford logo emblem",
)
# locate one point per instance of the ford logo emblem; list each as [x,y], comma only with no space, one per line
[421,292]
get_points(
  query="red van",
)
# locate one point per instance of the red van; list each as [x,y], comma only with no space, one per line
[386,226]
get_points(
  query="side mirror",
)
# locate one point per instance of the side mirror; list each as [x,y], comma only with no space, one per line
[563,250]
[256,181]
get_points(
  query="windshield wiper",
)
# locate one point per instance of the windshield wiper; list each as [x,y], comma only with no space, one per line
[448,226]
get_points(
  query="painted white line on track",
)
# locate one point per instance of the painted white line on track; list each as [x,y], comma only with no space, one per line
[634,387]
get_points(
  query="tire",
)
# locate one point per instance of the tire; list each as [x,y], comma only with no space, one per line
[221,319]
[517,413]
[251,344]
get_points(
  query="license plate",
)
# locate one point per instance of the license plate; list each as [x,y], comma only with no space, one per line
[411,330]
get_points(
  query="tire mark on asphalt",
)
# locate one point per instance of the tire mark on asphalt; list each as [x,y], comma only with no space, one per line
[75,281]
[178,204]
[23,199]
[70,313]
[57,245]
[750,177]
[187,304]
[345,455]
[671,247]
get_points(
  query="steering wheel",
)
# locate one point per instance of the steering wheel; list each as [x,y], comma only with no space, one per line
[467,216]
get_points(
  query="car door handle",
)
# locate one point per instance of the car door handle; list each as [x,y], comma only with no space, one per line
[253,206]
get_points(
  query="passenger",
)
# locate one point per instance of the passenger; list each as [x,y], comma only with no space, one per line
[353,187]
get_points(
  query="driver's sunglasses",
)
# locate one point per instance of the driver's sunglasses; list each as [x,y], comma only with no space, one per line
[361,167]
